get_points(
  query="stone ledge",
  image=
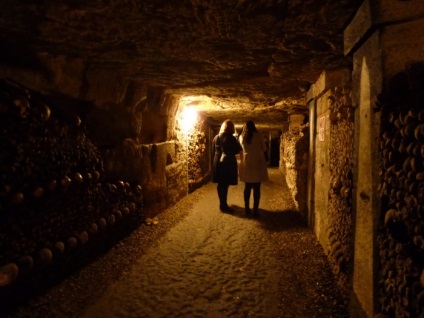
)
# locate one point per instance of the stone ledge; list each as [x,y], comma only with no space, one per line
[328,80]
[370,16]
[359,26]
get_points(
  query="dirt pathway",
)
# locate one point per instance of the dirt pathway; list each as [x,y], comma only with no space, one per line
[224,265]
[199,262]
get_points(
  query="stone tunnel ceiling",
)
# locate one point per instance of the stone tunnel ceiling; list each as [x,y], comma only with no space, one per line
[252,58]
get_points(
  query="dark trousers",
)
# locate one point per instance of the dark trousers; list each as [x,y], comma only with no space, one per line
[222,190]
[256,194]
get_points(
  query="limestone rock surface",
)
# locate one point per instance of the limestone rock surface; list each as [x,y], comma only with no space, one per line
[248,56]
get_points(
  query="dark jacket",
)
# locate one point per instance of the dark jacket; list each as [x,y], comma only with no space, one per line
[225,148]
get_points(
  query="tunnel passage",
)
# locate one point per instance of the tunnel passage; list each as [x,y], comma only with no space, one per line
[115,78]
[67,195]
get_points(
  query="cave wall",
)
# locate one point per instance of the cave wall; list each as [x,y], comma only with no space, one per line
[330,99]
[132,125]
[329,183]
[387,49]
[57,207]
[156,156]
[85,159]
[401,189]
[154,166]
[199,154]
[339,210]
[322,167]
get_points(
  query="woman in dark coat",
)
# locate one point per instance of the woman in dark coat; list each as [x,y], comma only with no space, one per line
[224,170]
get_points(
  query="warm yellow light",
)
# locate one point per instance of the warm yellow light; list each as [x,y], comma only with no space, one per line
[189,118]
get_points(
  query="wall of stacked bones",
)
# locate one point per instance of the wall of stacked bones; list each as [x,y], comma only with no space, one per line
[339,210]
[401,236]
[199,156]
[56,205]
[294,149]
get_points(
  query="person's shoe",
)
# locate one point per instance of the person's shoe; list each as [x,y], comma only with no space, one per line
[248,211]
[226,209]
[255,212]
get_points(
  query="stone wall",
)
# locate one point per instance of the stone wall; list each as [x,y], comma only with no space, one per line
[333,176]
[130,123]
[154,166]
[80,171]
[401,236]
[339,212]
[57,207]
[199,155]
[324,95]
[294,149]
[322,165]
[138,140]
[384,38]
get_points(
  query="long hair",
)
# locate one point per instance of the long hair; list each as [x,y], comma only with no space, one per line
[248,129]
[227,127]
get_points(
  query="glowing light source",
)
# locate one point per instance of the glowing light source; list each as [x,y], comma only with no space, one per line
[189,118]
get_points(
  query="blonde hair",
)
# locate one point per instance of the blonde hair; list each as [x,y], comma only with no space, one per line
[227,127]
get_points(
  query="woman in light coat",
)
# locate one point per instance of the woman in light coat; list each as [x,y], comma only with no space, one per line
[253,167]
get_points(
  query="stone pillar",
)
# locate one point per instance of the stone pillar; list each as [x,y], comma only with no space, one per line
[320,92]
[384,38]
[296,121]
[311,162]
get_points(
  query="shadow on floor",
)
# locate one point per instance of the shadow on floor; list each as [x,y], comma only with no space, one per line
[273,220]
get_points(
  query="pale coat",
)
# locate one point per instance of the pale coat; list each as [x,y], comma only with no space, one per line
[253,167]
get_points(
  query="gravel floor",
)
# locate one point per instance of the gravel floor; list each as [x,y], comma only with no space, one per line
[199,262]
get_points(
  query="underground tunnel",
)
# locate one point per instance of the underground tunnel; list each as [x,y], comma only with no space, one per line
[108,110]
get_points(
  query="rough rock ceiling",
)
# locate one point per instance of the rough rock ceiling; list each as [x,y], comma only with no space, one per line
[254,58]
